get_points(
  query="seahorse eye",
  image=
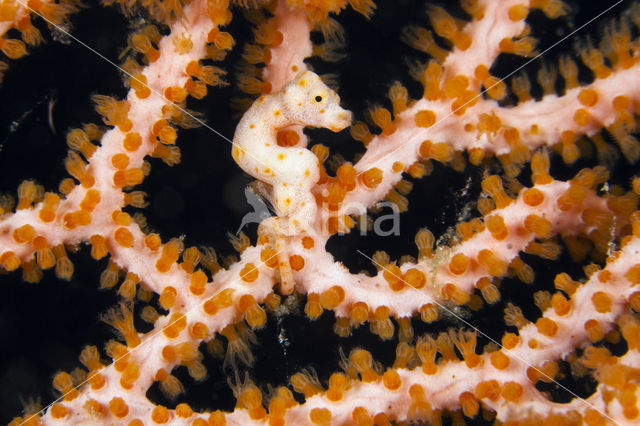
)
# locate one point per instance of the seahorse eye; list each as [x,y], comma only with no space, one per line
[318,98]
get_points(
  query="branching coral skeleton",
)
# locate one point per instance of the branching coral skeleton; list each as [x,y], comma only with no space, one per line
[465,117]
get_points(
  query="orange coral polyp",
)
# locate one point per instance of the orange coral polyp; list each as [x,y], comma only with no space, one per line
[371,178]
[494,265]
[459,264]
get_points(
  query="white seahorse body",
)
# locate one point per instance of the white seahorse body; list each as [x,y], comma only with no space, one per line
[291,171]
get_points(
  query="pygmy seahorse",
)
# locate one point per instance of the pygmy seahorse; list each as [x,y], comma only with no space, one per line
[291,171]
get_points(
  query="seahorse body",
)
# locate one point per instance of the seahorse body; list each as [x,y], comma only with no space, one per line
[291,171]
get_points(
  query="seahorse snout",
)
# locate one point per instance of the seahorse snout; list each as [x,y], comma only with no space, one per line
[342,120]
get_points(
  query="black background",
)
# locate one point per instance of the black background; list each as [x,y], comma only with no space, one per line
[44,326]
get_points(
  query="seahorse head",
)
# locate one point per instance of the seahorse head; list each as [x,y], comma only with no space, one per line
[309,102]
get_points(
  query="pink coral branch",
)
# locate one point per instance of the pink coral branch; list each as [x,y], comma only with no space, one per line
[464,113]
